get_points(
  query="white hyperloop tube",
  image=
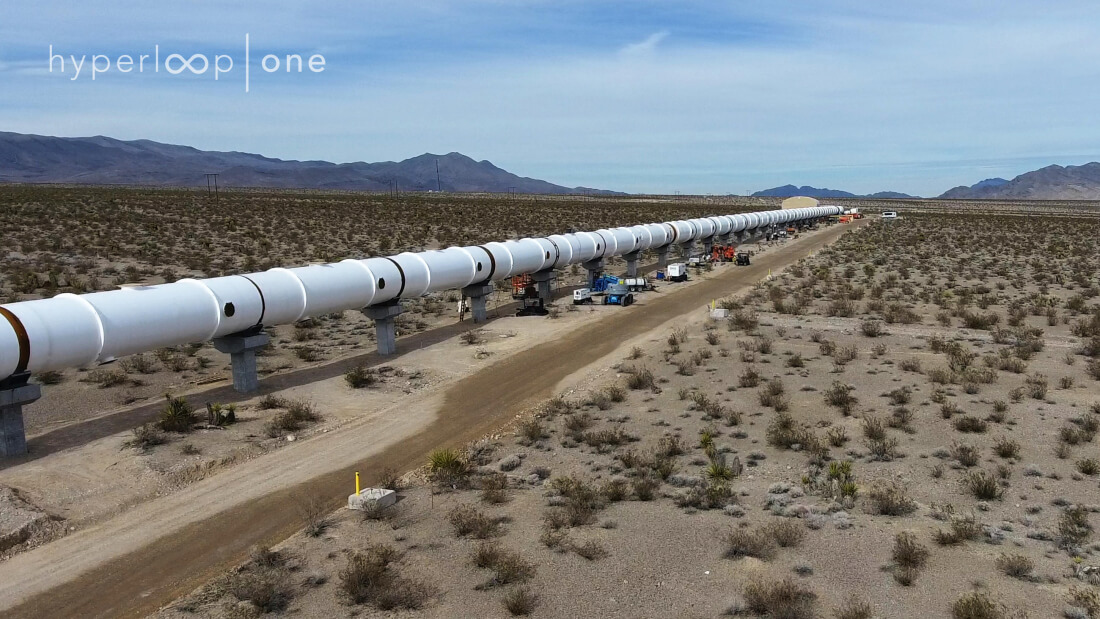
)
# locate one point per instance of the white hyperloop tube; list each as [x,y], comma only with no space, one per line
[76,330]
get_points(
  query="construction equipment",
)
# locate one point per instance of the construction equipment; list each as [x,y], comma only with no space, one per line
[677,272]
[636,284]
[582,296]
[723,253]
[525,290]
[618,294]
[601,283]
[743,259]
[520,283]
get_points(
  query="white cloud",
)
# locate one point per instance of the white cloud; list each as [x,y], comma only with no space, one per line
[644,47]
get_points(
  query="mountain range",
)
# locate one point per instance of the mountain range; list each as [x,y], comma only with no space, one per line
[786,191]
[102,160]
[1053,182]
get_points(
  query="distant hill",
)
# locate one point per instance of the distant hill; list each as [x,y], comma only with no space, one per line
[1053,182]
[102,160]
[786,191]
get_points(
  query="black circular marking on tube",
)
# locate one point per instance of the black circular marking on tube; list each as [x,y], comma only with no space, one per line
[492,262]
[381,283]
[230,309]
[21,336]
[402,273]
[604,239]
[557,250]
[263,301]
[478,266]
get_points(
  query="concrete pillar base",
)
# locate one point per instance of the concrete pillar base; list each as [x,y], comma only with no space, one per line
[385,329]
[662,258]
[242,357]
[479,294]
[708,247]
[595,269]
[15,391]
[631,263]
[686,249]
[544,280]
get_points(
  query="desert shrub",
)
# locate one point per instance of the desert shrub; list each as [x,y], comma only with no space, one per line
[884,449]
[781,599]
[370,578]
[1006,448]
[874,428]
[447,465]
[591,550]
[772,395]
[784,432]
[145,437]
[749,378]
[49,377]
[910,365]
[269,590]
[1015,565]
[901,395]
[360,377]
[853,608]
[1073,527]
[909,557]
[177,416]
[1036,386]
[970,424]
[107,378]
[963,529]
[890,499]
[743,542]
[582,500]
[795,361]
[785,533]
[839,395]
[531,431]
[468,521]
[640,378]
[1085,598]
[837,436]
[271,401]
[494,488]
[872,328]
[977,605]
[1088,466]
[983,485]
[520,601]
[644,488]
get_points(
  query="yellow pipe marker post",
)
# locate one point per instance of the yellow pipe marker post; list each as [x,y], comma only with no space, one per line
[356,482]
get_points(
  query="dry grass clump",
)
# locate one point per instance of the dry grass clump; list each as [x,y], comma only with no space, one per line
[839,395]
[762,542]
[508,567]
[890,498]
[963,529]
[145,437]
[854,608]
[983,485]
[638,378]
[1074,529]
[1006,448]
[978,605]
[468,521]
[370,578]
[1015,565]
[361,377]
[909,558]
[520,602]
[772,396]
[780,599]
[297,414]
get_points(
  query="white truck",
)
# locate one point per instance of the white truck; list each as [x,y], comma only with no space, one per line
[677,272]
[582,296]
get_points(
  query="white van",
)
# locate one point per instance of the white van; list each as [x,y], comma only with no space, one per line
[889,214]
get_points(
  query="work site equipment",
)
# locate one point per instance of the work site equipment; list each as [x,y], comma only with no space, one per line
[618,294]
[677,272]
[582,296]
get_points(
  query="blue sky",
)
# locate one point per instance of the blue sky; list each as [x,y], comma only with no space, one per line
[696,97]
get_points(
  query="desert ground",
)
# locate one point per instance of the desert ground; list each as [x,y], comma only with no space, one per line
[894,419]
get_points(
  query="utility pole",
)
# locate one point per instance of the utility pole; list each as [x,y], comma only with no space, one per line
[211,177]
[437,175]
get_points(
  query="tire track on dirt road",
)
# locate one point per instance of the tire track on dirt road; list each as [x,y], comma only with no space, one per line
[143,564]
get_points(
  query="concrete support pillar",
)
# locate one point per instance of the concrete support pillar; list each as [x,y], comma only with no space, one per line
[479,294]
[631,263]
[241,349]
[686,249]
[724,239]
[545,282]
[385,329]
[708,246]
[595,269]
[662,257]
[15,391]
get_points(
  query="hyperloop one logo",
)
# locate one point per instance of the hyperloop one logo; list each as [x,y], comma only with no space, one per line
[218,66]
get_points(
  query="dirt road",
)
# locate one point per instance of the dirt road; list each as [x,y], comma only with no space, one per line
[135,563]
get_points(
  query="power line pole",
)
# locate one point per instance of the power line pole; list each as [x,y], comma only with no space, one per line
[212,177]
[437,175]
